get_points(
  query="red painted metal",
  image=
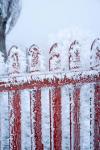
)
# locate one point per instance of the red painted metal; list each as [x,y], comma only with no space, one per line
[70,97]
[74,64]
[95,63]
[76,118]
[15,120]
[13,61]
[55,101]
[35,102]
[54,60]
[97,117]
[33,62]
[50,110]
[95,53]
[14,102]
[74,96]
[54,79]
[74,56]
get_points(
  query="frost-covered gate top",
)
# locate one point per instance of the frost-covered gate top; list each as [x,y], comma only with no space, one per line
[53,109]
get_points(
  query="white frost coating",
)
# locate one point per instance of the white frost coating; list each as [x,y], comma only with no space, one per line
[55,63]
[45,104]
[95,55]
[36,61]
[92,98]
[32,107]
[65,118]
[15,61]
[11,117]
[32,66]
[4,122]
[71,98]
[25,120]
[55,58]
[66,37]
[86,142]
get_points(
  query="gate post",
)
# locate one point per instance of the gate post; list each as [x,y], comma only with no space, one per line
[95,64]
[35,100]
[74,65]
[14,101]
[55,102]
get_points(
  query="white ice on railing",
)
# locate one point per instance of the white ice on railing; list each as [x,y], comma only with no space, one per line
[86,108]
[55,58]
[35,59]
[17,66]
[15,61]
[95,54]
[65,37]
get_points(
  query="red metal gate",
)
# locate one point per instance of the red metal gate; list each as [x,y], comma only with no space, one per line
[63,124]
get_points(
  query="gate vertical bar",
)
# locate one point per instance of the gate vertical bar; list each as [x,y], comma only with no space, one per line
[14,101]
[35,100]
[97,117]
[35,104]
[15,120]
[95,64]
[74,65]
[76,114]
[56,98]
[55,101]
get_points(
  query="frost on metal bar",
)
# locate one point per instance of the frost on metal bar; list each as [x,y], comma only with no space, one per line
[47,79]
[65,115]
[14,102]
[55,101]
[97,117]
[95,63]
[74,64]
[35,100]
[74,56]
[55,109]
[15,120]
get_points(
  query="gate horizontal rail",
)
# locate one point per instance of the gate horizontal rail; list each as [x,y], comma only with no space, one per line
[28,81]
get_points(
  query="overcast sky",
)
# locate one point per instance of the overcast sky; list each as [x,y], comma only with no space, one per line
[39,18]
